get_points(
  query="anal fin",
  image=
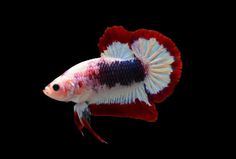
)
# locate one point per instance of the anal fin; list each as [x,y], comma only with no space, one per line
[137,110]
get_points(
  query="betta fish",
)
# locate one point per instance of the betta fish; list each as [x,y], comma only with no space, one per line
[135,70]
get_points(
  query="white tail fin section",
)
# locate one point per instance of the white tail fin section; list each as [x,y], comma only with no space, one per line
[158,60]
[118,50]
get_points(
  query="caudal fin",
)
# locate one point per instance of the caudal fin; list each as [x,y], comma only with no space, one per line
[162,60]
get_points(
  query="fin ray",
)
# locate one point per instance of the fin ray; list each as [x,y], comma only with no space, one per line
[121,94]
[159,62]
[118,50]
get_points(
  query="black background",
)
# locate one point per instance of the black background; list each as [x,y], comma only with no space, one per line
[49,40]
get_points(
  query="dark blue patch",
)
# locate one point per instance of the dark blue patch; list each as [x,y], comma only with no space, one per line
[122,72]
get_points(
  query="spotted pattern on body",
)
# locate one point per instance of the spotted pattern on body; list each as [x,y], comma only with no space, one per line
[87,78]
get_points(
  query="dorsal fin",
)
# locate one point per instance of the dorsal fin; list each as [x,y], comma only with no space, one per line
[115,43]
[113,34]
[118,50]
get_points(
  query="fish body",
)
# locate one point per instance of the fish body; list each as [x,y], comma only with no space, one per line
[135,70]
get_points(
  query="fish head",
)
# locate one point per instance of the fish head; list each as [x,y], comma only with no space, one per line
[61,89]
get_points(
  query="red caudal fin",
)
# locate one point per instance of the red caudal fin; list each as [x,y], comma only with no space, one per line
[157,52]
[137,110]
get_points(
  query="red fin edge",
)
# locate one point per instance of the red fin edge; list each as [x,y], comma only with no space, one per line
[112,34]
[137,110]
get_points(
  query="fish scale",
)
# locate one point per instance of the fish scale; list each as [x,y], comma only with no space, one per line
[120,72]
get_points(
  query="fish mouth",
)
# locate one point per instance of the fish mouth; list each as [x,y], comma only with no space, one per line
[46,91]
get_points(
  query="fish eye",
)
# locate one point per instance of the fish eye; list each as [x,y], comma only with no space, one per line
[55,87]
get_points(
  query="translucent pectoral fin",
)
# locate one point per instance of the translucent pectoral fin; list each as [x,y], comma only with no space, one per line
[81,117]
